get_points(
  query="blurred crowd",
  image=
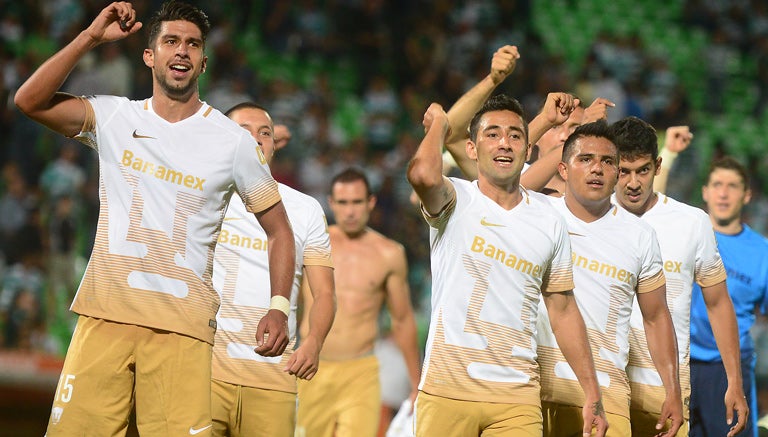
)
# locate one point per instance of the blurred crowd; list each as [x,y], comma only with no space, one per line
[351,79]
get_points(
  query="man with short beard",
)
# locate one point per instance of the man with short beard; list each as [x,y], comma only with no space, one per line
[168,167]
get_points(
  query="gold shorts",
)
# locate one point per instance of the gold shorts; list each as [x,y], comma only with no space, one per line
[566,421]
[644,423]
[439,416]
[343,399]
[109,366]
[242,411]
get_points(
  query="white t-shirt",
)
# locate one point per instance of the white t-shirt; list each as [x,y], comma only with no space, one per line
[163,189]
[613,257]
[241,276]
[689,251]
[489,267]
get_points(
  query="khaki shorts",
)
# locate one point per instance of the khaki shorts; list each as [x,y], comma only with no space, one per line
[566,420]
[109,366]
[344,396]
[439,416]
[242,411]
[644,423]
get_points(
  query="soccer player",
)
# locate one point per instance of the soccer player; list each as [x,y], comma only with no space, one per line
[497,249]
[251,392]
[168,165]
[745,256]
[344,399]
[690,254]
[615,258]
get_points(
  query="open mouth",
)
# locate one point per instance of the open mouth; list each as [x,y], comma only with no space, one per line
[180,68]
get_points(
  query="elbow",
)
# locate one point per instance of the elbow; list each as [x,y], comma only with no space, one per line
[22,102]
[420,175]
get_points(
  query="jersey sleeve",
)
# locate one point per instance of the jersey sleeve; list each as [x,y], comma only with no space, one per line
[709,269]
[104,106]
[559,275]
[439,220]
[317,251]
[253,180]
[652,270]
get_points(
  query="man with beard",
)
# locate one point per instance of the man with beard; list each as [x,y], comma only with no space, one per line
[168,166]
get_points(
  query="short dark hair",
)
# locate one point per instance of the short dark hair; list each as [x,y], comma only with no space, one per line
[499,102]
[598,129]
[635,138]
[174,10]
[729,163]
[244,105]
[351,174]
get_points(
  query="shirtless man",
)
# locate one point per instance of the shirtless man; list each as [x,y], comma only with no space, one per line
[343,399]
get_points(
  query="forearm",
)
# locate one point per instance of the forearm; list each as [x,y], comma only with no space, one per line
[537,128]
[662,346]
[542,170]
[404,334]
[571,334]
[38,91]
[282,259]
[320,318]
[724,326]
[464,109]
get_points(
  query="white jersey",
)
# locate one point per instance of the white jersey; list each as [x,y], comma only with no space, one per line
[489,267]
[689,251]
[613,257]
[241,276]
[163,189]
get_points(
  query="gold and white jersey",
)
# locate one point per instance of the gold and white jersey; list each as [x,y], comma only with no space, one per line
[241,276]
[163,190]
[689,251]
[489,267]
[613,257]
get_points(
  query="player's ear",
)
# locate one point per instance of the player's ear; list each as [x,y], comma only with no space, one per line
[562,169]
[149,58]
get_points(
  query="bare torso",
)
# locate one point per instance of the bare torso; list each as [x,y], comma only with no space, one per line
[362,266]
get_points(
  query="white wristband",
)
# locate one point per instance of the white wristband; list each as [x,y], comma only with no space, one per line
[280,303]
[667,157]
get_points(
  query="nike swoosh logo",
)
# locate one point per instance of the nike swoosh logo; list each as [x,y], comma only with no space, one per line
[136,135]
[193,431]
[576,235]
[485,223]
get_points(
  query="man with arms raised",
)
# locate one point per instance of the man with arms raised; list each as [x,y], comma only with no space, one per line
[615,258]
[690,254]
[344,398]
[251,392]
[558,118]
[496,251]
[168,165]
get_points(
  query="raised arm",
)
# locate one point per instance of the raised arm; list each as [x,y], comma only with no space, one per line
[723,320]
[461,113]
[557,108]
[401,313]
[272,330]
[38,96]
[304,362]
[662,345]
[425,171]
[676,139]
[571,334]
